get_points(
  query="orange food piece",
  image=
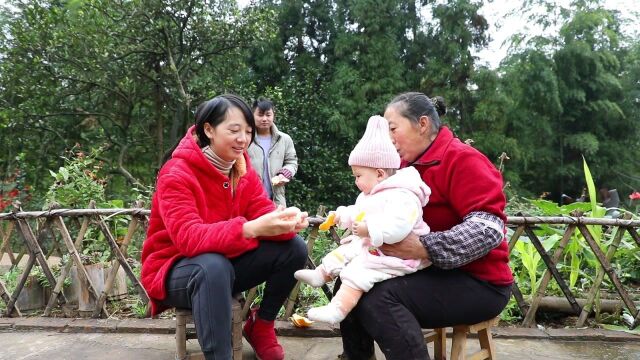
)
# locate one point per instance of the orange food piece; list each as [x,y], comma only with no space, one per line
[329,222]
[300,321]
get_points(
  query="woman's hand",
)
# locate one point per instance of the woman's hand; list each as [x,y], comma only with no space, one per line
[409,248]
[303,221]
[277,222]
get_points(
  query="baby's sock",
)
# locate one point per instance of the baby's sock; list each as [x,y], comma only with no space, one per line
[342,303]
[315,278]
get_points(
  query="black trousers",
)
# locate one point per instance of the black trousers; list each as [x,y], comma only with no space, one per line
[394,311]
[206,284]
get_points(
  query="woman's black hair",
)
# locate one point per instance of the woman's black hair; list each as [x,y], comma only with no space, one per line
[413,105]
[262,104]
[214,112]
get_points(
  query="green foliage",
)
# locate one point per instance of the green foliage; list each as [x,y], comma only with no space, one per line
[55,270]
[511,313]
[529,258]
[139,309]
[127,74]
[10,279]
[77,182]
[568,99]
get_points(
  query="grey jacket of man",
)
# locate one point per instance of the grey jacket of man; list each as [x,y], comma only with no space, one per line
[281,155]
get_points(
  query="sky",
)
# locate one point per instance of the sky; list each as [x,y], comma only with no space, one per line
[502,26]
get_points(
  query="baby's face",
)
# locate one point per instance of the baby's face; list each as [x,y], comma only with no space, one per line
[367,178]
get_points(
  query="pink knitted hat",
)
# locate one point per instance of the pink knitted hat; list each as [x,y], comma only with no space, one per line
[375,149]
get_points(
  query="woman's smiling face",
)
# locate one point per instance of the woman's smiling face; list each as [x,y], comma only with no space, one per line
[230,138]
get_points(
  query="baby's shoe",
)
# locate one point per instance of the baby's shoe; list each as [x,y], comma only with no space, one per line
[330,313]
[314,278]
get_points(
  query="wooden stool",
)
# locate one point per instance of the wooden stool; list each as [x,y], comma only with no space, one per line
[438,337]
[484,336]
[183,317]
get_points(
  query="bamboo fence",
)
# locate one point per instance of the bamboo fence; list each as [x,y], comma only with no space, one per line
[20,224]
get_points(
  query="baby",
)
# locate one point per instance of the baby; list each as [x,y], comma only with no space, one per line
[388,208]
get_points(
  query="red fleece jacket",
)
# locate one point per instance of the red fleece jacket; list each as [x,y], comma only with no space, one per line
[463,180]
[194,212]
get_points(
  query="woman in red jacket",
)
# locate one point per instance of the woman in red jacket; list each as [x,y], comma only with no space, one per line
[214,233]
[470,279]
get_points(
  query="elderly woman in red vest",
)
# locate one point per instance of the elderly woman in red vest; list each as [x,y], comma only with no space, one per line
[470,279]
[213,233]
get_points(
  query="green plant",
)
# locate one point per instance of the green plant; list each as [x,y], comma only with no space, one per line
[530,260]
[139,309]
[511,313]
[10,279]
[78,181]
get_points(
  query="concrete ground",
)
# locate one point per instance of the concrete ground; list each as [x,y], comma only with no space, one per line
[63,338]
[98,346]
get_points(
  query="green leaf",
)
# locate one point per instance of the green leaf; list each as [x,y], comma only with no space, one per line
[621,328]
[64,173]
[547,207]
[590,186]
[116,203]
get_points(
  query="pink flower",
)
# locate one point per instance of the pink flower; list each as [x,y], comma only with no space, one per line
[635,195]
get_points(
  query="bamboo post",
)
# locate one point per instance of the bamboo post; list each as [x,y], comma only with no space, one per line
[6,235]
[334,235]
[609,271]
[634,235]
[83,275]
[595,288]
[636,238]
[54,245]
[35,251]
[551,266]
[251,295]
[324,287]
[20,256]
[311,239]
[530,317]
[517,294]
[115,265]
[4,295]
[514,238]
[515,290]
[123,261]
[65,271]
[20,285]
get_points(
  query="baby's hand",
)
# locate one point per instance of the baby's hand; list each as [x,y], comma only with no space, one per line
[336,217]
[328,222]
[359,228]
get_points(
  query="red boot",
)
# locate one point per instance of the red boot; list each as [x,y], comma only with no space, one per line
[261,335]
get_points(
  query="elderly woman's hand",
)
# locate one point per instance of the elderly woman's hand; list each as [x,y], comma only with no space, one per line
[277,222]
[409,248]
